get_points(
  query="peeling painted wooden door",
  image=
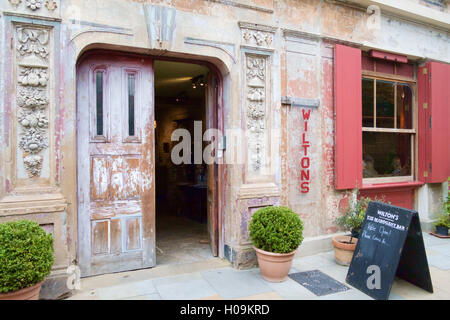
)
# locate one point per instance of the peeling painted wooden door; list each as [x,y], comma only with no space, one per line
[212,96]
[115,133]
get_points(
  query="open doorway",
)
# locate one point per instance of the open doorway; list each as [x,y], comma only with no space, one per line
[181,189]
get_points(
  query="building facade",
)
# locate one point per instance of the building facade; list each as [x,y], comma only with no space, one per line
[331,96]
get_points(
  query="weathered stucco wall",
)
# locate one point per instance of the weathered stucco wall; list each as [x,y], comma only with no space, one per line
[265,50]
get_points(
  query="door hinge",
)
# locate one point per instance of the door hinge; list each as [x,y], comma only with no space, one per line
[425,174]
[425,105]
[430,122]
[430,167]
[424,70]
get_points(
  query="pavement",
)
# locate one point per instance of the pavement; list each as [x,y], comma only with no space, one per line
[215,279]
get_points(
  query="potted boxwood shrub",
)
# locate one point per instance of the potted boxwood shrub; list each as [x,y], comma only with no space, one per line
[26,258]
[276,233]
[351,220]
[443,223]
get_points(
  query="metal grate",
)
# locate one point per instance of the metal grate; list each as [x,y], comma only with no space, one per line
[318,282]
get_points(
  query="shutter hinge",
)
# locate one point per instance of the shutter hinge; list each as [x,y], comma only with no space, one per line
[425,174]
[424,70]
[425,105]
[430,122]
[430,167]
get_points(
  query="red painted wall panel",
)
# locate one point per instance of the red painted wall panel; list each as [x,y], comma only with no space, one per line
[440,121]
[348,108]
[401,197]
[404,69]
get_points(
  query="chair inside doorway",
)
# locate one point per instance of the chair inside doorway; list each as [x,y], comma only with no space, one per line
[181,189]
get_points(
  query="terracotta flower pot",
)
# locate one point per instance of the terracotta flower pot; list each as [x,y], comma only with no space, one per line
[29,293]
[343,251]
[443,231]
[274,266]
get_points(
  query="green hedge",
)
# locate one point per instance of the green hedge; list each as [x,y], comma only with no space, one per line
[276,229]
[26,255]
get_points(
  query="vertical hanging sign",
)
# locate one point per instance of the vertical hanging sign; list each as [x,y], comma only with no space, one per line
[305,160]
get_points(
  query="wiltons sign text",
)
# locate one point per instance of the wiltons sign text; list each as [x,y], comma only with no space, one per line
[305,161]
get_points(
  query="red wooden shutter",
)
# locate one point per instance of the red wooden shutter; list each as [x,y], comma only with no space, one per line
[423,123]
[434,120]
[440,121]
[348,108]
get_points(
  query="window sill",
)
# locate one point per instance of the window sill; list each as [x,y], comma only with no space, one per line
[410,184]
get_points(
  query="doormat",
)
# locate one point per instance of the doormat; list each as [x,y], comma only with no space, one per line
[318,282]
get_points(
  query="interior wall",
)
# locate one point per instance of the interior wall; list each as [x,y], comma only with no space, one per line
[169,117]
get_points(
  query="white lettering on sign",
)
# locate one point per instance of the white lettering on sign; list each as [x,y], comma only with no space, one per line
[305,161]
[387,215]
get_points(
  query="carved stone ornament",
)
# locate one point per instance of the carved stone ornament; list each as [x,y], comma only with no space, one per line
[256,67]
[256,110]
[32,119]
[34,77]
[51,5]
[33,165]
[30,97]
[32,42]
[257,35]
[33,140]
[34,4]
[32,90]
[15,3]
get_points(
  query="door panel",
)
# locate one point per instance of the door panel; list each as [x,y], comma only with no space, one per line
[115,123]
[212,170]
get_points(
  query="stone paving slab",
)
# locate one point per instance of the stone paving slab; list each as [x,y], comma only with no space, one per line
[442,249]
[433,240]
[439,261]
[289,289]
[215,279]
[153,296]
[126,290]
[232,284]
[186,287]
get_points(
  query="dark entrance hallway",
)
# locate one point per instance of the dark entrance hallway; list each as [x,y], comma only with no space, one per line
[181,189]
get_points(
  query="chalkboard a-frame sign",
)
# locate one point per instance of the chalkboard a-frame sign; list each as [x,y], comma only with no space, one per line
[390,244]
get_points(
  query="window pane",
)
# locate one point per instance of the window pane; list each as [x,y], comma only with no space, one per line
[386,154]
[99,102]
[367,102]
[131,104]
[385,104]
[404,106]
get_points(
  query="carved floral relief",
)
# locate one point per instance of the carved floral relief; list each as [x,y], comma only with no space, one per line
[51,5]
[34,4]
[15,3]
[33,76]
[256,110]
[32,93]
[257,37]
[32,42]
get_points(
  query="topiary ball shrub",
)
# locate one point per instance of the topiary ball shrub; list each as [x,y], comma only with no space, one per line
[276,229]
[26,255]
